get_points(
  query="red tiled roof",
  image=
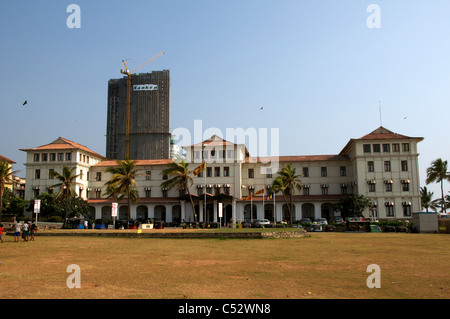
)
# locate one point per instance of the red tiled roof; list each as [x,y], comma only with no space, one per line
[137,162]
[63,144]
[382,133]
[5,159]
[301,158]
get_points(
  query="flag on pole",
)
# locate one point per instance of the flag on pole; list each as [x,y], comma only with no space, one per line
[199,169]
[259,192]
[249,197]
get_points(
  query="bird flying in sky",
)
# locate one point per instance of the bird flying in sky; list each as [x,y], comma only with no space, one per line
[25,102]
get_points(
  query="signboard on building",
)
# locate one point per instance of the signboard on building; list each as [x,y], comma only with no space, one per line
[37,206]
[114,210]
[145,87]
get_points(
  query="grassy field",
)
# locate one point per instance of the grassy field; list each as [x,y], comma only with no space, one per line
[324,265]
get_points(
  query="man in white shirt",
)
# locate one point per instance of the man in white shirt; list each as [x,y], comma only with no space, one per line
[17,228]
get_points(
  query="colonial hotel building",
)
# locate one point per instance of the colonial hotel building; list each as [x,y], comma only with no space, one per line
[381,165]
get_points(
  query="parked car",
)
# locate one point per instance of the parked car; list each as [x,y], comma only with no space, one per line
[315,227]
[338,220]
[305,221]
[322,221]
[389,229]
[375,229]
[260,223]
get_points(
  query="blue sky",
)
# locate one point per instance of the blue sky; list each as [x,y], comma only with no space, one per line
[315,67]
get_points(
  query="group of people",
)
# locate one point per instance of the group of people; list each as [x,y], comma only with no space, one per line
[26,230]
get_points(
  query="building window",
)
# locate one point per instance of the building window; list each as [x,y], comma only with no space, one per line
[200,174]
[98,176]
[251,173]
[68,157]
[52,157]
[305,172]
[387,166]
[209,189]
[386,148]
[405,147]
[396,147]
[45,157]
[165,176]
[37,174]
[226,189]
[164,192]
[323,172]
[216,171]
[148,192]
[81,174]
[404,166]
[407,209]
[51,171]
[98,193]
[343,189]
[366,148]
[405,187]
[343,171]
[388,187]
[390,209]
[197,155]
[305,190]
[230,154]
[324,189]
[60,157]
[226,171]
[370,166]
[148,175]
[208,171]
[376,148]
[372,187]
[36,157]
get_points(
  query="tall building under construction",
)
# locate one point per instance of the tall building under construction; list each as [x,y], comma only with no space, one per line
[149,128]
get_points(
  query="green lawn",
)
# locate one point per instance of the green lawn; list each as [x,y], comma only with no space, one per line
[323,265]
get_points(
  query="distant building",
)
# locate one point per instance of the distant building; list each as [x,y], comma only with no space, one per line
[381,165]
[10,162]
[42,160]
[149,131]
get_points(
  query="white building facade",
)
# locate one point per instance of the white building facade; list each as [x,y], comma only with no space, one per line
[382,166]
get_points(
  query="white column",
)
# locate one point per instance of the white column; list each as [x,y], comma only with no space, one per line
[151,211]
[169,213]
[98,211]
[215,211]
[133,211]
[233,213]
[183,211]
[200,210]
[298,211]
[317,210]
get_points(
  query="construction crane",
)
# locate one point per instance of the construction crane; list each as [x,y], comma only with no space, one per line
[125,71]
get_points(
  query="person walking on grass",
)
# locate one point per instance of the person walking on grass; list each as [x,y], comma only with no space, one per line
[33,229]
[25,231]
[1,232]
[17,228]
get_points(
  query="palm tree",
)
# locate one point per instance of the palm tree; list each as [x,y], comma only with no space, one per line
[6,177]
[123,181]
[278,186]
[290,181]
[181,180]
[66,186]
[426,199]
[437,172]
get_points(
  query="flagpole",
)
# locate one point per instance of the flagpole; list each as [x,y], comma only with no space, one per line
[204,194]
[274,209]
